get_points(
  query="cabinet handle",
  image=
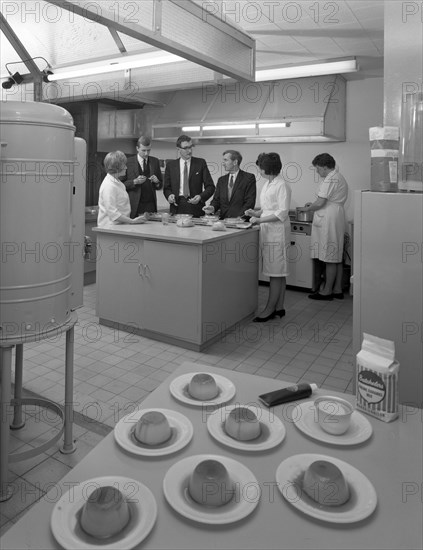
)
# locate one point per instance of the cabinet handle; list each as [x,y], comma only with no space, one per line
[292,243]
[146,270]
[139,271]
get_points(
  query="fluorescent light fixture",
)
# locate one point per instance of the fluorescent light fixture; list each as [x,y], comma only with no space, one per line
[230,127]
[308,69]
[121,63]
[274,125]
[191,128]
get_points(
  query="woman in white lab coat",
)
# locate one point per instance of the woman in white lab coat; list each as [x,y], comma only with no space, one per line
[113,199]
[327,233]
[275,228]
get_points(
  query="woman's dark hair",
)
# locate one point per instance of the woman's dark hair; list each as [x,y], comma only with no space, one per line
[270,163]
[324,160]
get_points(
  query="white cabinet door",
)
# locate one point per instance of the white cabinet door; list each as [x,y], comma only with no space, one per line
[171,282]
[120,280]
[300,262]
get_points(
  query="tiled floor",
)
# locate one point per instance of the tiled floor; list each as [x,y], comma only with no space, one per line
[114,371]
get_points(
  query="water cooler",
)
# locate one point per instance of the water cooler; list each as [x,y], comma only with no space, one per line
[42,197]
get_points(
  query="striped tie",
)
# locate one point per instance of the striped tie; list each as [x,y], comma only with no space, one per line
[230,186]
[186,188]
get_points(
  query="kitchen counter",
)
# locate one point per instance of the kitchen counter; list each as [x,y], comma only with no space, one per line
[391,459]
[182,285]
[156,231]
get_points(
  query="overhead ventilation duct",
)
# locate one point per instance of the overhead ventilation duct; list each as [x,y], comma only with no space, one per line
[304,110]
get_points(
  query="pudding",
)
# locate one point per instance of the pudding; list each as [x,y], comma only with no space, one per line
[325,483]
[152,428]
[242,424]
[210,484]
[203,386]
[105,513]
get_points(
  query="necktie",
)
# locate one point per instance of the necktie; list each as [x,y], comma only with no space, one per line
[186,188]
[230,186]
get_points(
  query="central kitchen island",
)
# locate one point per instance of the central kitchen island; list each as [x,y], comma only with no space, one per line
[181,285]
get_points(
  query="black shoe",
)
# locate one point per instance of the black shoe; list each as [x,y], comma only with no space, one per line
[264,319]
[318,296]
[280,312]
[339,296]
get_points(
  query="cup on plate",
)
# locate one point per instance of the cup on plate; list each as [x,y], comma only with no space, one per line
[165,218]
[333,414]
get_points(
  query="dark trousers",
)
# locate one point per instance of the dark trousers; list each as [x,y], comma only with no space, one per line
[184,207]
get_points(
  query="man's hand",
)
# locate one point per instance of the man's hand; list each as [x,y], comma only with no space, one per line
[172,199]
[195,200]
[208,209]
[140,180]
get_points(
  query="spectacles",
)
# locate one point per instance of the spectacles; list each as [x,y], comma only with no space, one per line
[187,147]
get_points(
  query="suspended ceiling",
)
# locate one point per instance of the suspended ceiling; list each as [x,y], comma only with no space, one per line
[284,33]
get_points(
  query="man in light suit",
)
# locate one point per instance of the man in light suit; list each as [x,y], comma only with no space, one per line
[236,191]
[143,177]
[187,181]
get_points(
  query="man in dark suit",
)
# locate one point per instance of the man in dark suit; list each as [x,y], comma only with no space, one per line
[187,181]
[143,177]
[236,191]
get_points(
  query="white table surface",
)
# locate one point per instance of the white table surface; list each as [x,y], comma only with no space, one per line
[391,460]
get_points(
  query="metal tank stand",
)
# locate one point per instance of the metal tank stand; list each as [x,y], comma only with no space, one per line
[65,413]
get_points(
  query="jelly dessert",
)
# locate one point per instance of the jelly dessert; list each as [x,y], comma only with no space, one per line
[210,484]
[203,386]
[105,513]
[325,483]
[242,424]
[152,428]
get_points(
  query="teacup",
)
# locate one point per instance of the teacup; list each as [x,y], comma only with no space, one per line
[333,414]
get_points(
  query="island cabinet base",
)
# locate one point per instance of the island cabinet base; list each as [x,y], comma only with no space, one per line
[186,293]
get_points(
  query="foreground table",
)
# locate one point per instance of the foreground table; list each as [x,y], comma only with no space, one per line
[391,459]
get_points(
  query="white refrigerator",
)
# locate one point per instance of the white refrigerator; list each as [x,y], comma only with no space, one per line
[388,280]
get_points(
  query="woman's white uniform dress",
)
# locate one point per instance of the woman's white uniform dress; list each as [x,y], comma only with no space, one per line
[327,232]
[113,201]
[275,198]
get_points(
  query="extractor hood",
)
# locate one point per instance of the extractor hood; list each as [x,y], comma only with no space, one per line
[303,110]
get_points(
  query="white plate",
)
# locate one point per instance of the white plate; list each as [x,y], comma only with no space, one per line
[304,417]
[178,388]
[182,432]
[362,502]
[64,518]
[246,498]
[272,429]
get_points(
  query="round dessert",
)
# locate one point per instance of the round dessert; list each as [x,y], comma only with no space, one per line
[325,483]
[242,424]
[210,484]
[105,513]
[203,386]
[152,428]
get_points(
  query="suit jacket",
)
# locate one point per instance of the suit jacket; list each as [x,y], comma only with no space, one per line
[243,195]
[199,180]
[135,192]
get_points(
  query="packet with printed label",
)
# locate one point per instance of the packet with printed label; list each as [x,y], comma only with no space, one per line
[377,378]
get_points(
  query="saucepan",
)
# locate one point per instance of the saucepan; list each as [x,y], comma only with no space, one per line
[304,216]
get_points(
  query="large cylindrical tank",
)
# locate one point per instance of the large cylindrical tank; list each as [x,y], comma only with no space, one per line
[36,171]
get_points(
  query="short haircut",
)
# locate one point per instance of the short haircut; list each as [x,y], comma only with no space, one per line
[181,139]
[144,140]
[270,163]
[235,155]
[114,162]
[324,160]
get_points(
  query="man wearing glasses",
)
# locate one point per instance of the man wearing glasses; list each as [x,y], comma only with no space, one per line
[187,181]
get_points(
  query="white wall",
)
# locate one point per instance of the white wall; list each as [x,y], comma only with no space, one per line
[364,109]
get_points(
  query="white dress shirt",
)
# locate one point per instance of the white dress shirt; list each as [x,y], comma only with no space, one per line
[113,201]
[181,173]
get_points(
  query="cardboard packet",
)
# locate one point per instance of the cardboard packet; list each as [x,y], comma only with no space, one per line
[377,378]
